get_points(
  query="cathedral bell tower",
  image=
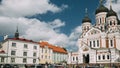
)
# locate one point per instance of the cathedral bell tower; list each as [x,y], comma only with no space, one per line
[112,20]
[86,22]
[101,13]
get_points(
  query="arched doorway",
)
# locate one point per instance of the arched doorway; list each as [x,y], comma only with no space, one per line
[86,58]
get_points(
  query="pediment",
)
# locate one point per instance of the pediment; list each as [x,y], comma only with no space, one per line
[93,31]
[85,48]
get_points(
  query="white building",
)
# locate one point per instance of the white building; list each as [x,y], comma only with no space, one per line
[72,58]
[20,51]
[99,43]
[52,54]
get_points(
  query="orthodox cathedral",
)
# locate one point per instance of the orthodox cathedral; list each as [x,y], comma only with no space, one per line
[100,43]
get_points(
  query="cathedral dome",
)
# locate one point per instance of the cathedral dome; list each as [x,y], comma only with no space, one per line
[86,19]
[111,13]
[101,8]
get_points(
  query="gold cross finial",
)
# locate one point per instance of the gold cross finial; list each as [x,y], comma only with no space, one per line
[101,1]
[86,10]
[110,4]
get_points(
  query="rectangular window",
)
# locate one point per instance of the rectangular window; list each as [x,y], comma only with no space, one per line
[35,47]
[34,60]
[45,57]
[45,50]
[34,54]
[42,56]
[12,60]
[13,52]
[98,43]
[25,46]
[42,50]
[94,43]
[24,53]
[108,57]
[13,44]
[90,44]
[103,57]
[77,58]
[111,41]
[73,59]
[24,60]
[99,57]
[2,59]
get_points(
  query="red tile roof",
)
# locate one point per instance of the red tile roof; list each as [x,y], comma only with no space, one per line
[2,51]
[55,48]
[22,39]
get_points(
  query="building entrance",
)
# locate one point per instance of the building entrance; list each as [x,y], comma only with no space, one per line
[86,58]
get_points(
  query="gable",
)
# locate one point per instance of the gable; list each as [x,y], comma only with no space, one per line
[93,31]
[85,48]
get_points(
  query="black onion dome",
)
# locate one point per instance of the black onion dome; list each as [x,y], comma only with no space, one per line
[86,19]
[111,13]
[118,22]
[101,8]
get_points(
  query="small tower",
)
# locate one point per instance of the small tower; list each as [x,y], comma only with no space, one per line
[16,33]
[86,22]
[101,13]
[112,20]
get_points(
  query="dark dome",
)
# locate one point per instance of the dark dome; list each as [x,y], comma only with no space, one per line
[118,22]
[86,19]
[111,13]
[101,8]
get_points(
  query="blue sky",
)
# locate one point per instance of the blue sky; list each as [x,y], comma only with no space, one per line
[55,21]
[72,15]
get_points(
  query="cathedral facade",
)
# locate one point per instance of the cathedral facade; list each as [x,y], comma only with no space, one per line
[100,43]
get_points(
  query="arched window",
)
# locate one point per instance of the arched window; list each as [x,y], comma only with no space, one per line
[103,57]
[110,23]
[87,27]
[94,43]
[114,22]
[90,44]
[108,57]
[111,42]
[99,57]
[98,43]
[101,28]
[100,20]
[73,58]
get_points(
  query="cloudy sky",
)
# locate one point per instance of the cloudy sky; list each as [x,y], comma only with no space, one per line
[55,21]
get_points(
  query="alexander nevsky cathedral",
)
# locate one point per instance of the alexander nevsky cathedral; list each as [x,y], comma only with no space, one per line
[100,43]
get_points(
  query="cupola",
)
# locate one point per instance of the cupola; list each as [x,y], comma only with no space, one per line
[101,8]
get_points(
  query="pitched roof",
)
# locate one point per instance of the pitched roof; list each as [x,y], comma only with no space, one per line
[2,51]
[53,47]
[22,39]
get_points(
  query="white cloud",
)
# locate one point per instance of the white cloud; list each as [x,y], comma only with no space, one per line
[13,12]
[39,30]
[18,8]
[115,5]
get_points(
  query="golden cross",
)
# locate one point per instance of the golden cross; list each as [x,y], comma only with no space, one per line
[86,10]
[101,1]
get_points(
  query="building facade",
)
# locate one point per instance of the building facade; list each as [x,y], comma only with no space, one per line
[99,43]
[46,53]
[51,54]
[19,51]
